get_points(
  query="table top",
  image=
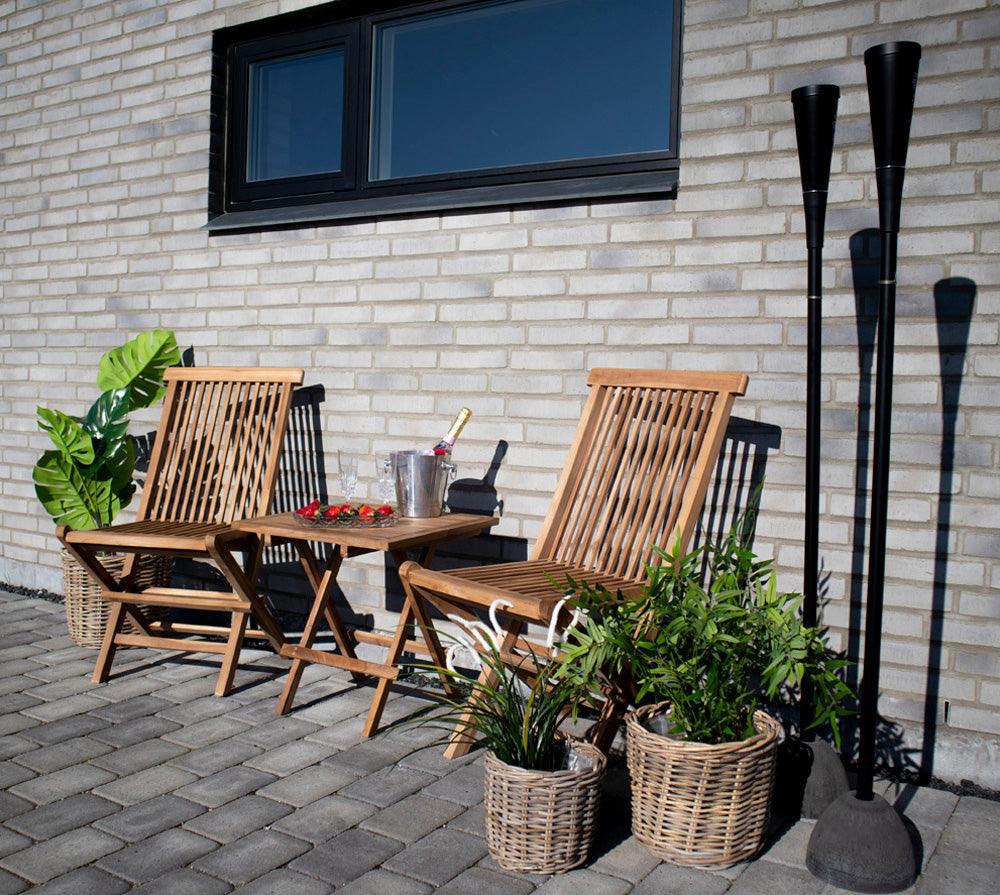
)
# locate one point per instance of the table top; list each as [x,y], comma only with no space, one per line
[403,534]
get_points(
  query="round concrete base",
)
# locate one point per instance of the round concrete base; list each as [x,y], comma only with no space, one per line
[826,780]
[862,846]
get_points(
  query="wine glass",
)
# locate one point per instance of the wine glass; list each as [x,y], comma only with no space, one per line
[348,475]
[385,477]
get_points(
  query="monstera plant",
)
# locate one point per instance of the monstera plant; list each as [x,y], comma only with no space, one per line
[87,479]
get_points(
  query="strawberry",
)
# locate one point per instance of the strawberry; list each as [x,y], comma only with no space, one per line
[384,510]
[332,512]
[309,509]
[365,510]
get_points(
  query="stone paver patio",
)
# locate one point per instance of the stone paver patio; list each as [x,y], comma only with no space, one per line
[149,783]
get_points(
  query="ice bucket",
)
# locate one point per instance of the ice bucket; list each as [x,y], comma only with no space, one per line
[420,483]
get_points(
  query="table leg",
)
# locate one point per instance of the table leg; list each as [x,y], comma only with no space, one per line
[323,585]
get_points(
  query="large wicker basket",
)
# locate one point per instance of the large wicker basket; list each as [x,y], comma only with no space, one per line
[701,805]
[542,821]
[87,612]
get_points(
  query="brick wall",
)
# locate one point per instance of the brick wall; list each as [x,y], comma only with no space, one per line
[103,196]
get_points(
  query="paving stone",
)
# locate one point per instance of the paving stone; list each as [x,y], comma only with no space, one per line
[59,689]
[481,881]
[59,855]
[51,820]
[286,882]
[11,842]
[628,860]
[382,882]
[473,820]
[961,873]
[194,710]
[368,757]
[412,818]
[217,757]
[252,856]
[973,829]
[431,759]
[144,785]
[290,757]
[13,745]
[790,844]
[138,757]
[22,702]
[13,806]
[225,786]
[308,785]
[53,732]
[759,878]
[584,882]
[385,787]
[139,730]
[62,708]
[122,688]
[204,733]
[346,857]
[438,857]
[464,786]
[148,818]
[16,723]
[924,806]
[183,882]
[342,734]
[12,774]
[131,709]
[85,881]
[280,731]
[10,884]
[81,668]
[61,755]
[239,818]
[152,858]
[63,783]
[324,818]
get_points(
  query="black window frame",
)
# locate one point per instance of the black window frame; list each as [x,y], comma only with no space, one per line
[236,205]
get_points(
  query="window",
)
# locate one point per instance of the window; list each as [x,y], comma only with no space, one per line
[354,109]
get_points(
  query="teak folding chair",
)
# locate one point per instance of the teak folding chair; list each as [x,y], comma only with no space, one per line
[215,460]
[636,477]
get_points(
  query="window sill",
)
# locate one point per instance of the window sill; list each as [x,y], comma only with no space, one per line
[582,188]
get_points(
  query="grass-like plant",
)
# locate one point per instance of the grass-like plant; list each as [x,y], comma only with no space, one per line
[517,713]
[711,634]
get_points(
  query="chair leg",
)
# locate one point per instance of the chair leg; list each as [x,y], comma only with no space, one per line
[396,649]
[232,655]
[107,654]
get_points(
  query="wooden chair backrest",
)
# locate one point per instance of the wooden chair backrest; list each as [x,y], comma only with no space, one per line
[638,469]
[215,458]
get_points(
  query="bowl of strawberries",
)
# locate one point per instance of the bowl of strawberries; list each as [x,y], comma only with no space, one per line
[345,515]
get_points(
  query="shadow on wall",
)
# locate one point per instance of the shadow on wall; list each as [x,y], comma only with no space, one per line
[954,300]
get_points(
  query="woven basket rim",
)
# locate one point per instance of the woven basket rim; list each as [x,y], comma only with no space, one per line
[767,726]
[525,775]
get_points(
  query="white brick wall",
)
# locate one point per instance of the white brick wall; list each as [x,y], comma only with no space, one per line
[103,193]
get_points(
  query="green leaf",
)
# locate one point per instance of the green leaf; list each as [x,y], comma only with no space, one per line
[67,435]
[107,418]
[138,366]
[70,498]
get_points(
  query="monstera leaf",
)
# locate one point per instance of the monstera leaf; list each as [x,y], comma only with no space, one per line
[138,365]
[72,498]
[72,440]
[107,418]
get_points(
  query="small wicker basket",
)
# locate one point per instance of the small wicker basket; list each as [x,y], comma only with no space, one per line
[542,821]
[87,612]
[701,805]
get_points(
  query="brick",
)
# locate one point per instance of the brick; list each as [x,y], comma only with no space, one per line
[144,785]
[85,881]
[145,819]
[412,818]
[152,858]
[61,784]
[238,818]
[183,882]
[438,857]
[346,857]
[252,856]
[59,855]
[224,786]
[381,882]
[60,817]
[285,882]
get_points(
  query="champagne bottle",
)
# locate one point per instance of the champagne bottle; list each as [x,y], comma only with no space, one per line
[444,446]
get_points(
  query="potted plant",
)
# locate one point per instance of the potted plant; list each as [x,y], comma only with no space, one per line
[87,478]
[542,790]
[707,642]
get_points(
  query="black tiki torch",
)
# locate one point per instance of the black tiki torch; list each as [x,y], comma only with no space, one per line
[815,110]
[860,842]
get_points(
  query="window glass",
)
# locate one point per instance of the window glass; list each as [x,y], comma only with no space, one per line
[520,82]
[296,110]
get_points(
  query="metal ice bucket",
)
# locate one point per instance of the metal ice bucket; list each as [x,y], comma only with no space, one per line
[421,481]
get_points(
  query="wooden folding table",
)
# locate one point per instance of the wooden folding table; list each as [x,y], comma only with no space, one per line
[397,539]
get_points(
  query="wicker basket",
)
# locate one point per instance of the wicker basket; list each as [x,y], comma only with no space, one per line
[87,613]
[701,805]
[542,821]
